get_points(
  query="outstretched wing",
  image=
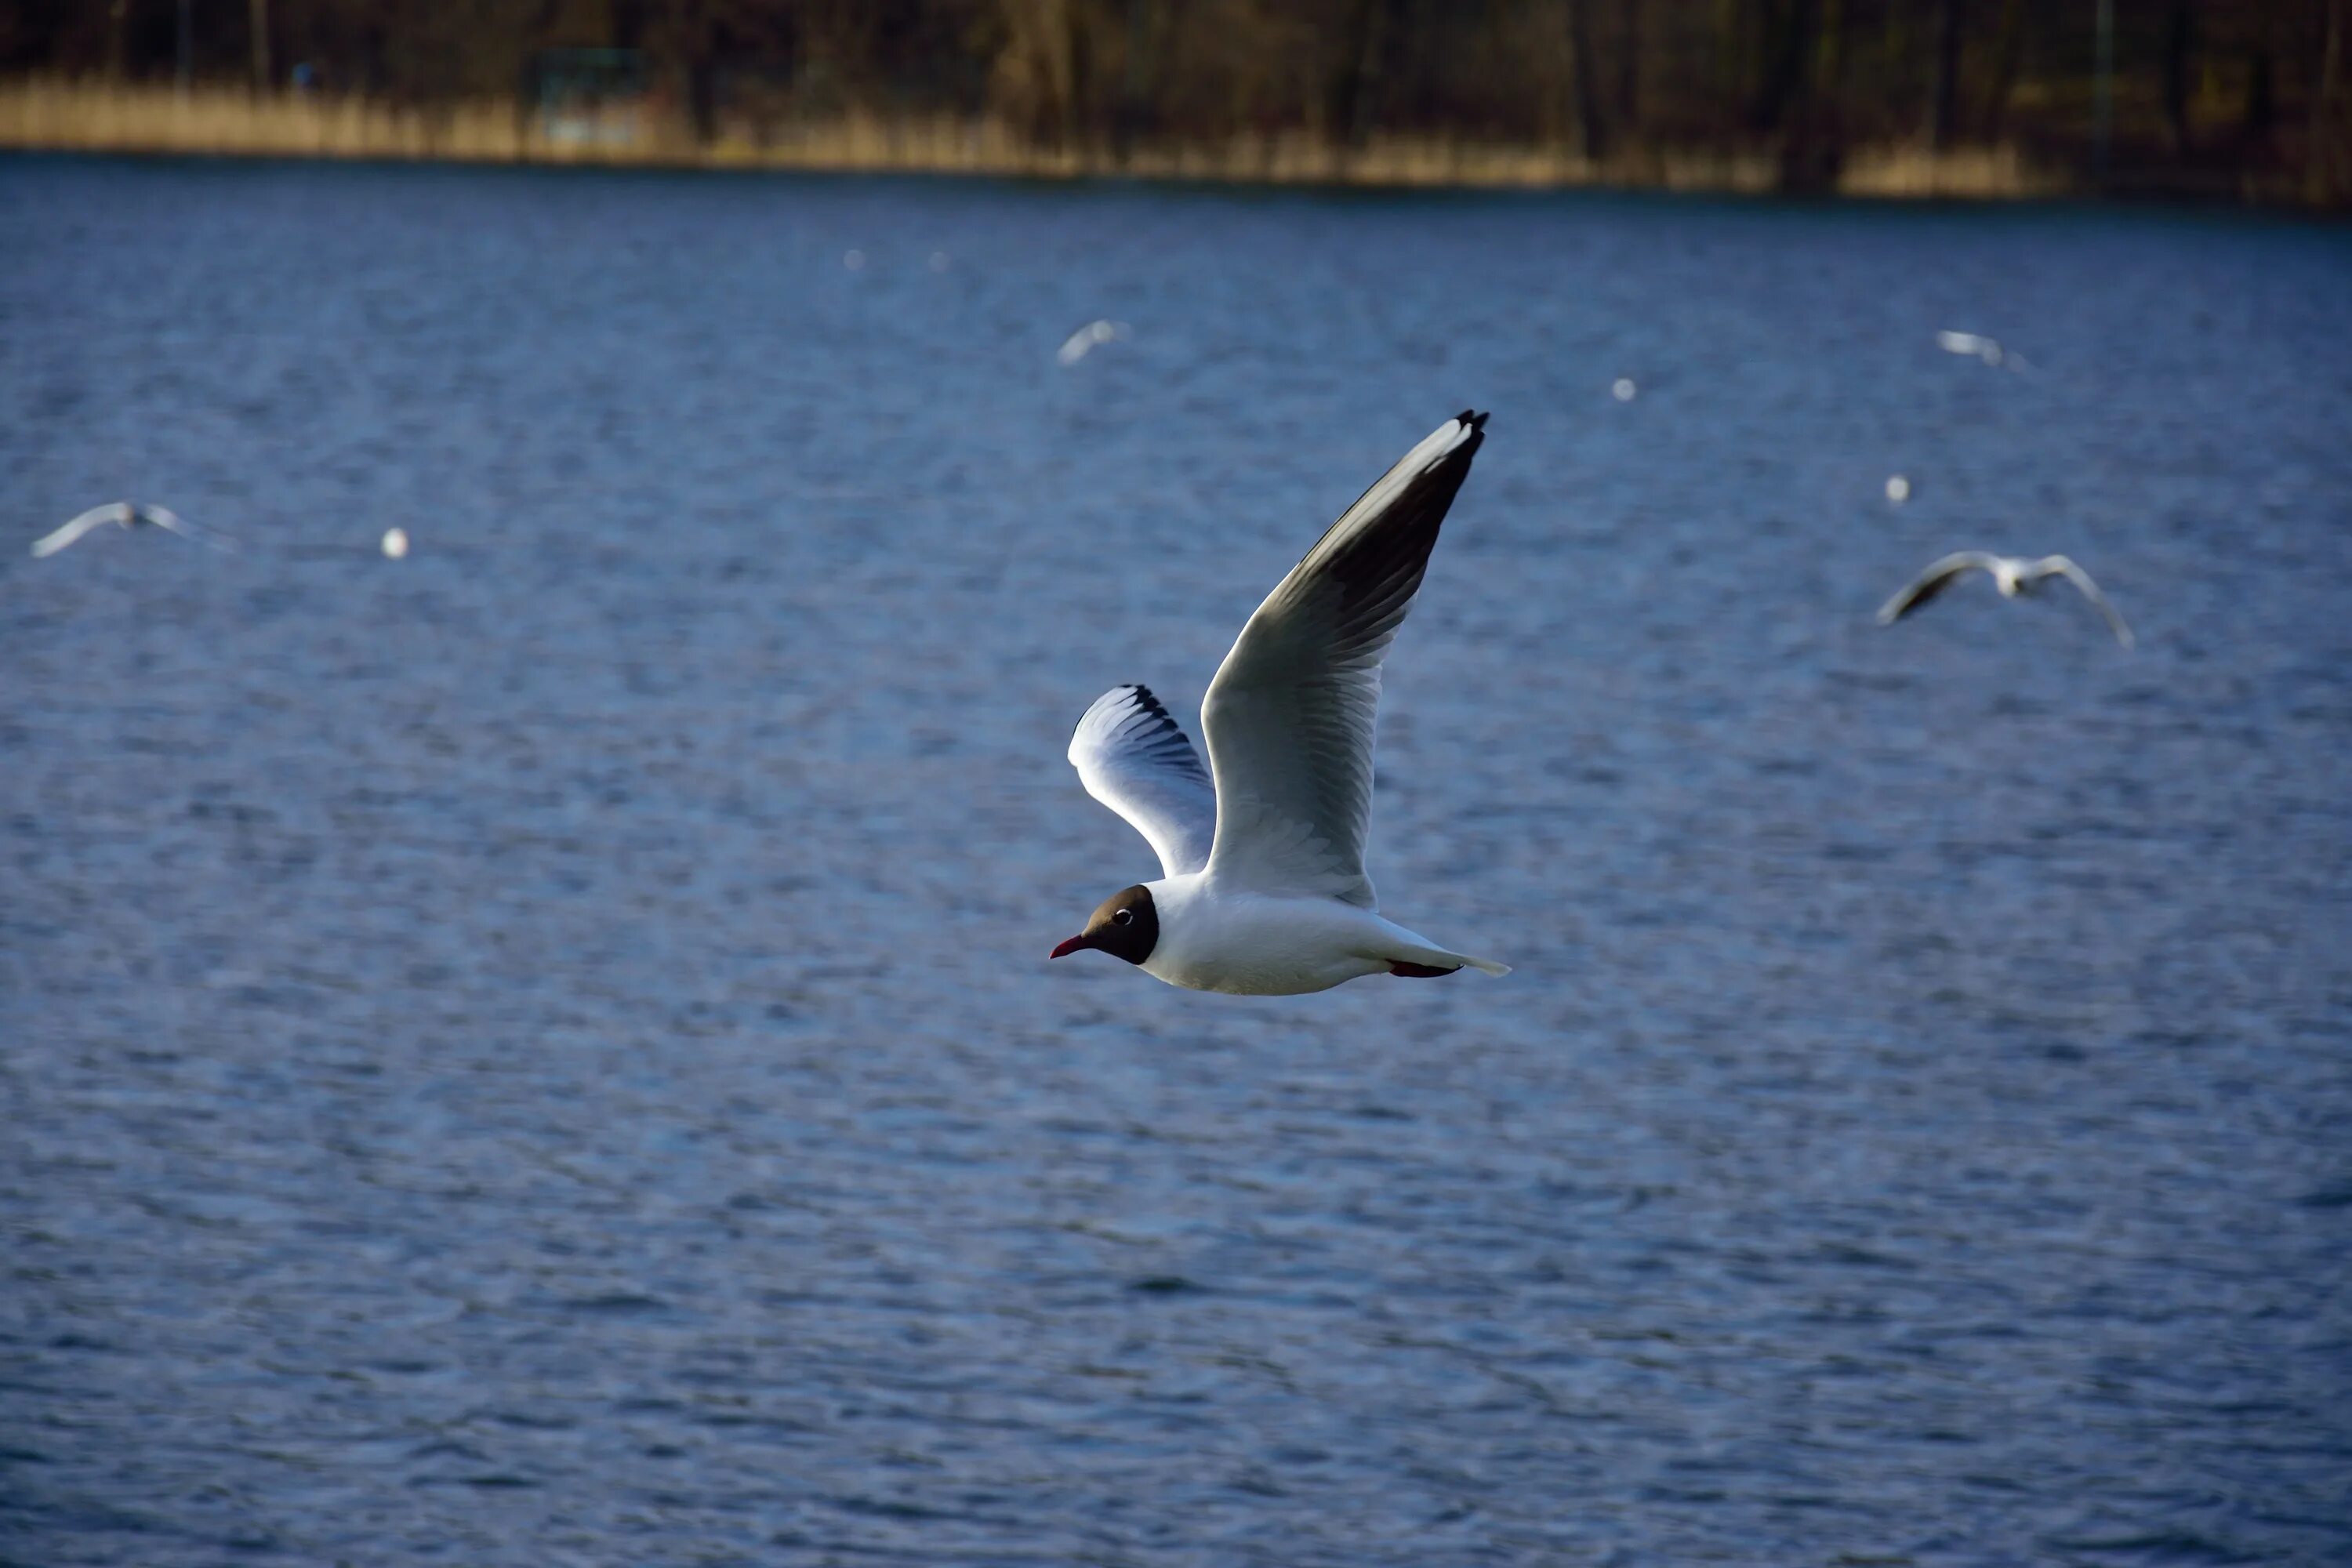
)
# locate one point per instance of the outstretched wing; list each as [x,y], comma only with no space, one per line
[1289,717]
[172,522]
[1133,757]
[1932,582]
[2060,566]
[112,512]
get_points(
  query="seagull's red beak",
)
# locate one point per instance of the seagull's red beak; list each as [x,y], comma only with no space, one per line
[1071,946]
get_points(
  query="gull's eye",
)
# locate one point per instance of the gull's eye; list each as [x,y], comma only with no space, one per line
[1123,918]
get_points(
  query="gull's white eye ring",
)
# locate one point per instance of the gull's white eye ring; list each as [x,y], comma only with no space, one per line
[1123,918]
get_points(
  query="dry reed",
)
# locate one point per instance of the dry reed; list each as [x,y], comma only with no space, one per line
[115,118]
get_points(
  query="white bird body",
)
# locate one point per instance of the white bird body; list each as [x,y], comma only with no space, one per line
[1265,892]
[2015,576]
[1975,345]
[1244,943]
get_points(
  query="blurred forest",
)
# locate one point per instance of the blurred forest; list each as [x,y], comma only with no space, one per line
[2217,96]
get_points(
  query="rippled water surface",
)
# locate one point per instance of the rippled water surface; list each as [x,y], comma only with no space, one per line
[543,1052]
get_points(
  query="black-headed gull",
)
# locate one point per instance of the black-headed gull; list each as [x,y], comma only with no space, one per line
[2013,575]
[1265,893]
[123,514]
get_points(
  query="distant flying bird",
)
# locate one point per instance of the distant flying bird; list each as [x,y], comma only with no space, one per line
[1082,342]
[124,514]
[1265,893]
[2013,575]
[1979,347]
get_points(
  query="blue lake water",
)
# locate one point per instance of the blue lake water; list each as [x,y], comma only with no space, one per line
[543,1052]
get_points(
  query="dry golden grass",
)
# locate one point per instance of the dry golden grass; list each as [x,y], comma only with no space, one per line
[1964,172]
[106,117]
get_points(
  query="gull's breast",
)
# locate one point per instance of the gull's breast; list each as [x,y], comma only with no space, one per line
[1252,944]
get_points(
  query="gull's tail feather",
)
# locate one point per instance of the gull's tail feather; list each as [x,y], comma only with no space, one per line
[1426,956]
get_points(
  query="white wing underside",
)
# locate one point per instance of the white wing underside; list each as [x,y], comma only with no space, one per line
[1939,575]
[1289,717]
[2062,567]
[125,514]
[96,517]
[1132,757]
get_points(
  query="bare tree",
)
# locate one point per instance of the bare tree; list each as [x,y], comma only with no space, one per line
[1629,65]
[2327,176]
[258,21]
[2008,53]
[2179,37]
[1593,126]
[1943,115]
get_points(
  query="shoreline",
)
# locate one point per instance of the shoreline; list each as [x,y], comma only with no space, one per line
[53,116]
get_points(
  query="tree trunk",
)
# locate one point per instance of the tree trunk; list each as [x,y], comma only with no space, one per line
[1781,96]
[1587,100]
[1042,39]
[258,17]
[1829,56]
[1816,149]
[2177,47]
[1629,65]
[2327,167]
[1943,117]
[1363,71]
[1730,56]
[702,96]
[2008,54]
[1146,29]
[2262,102]
[1062,68]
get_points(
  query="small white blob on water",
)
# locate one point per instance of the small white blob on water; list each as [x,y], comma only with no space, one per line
[1623,389]
[395,542]
[1898,490]
[939,261]
[853,259]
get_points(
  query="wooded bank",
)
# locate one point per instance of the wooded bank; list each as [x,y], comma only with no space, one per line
[2247,99]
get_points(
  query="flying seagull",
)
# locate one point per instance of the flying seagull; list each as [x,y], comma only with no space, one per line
[1977,346]
[1084,342]
[123,514]
[1265,893]
[2013,575]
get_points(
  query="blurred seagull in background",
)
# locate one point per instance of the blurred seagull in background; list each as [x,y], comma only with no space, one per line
[1082,342]
[1979,347]
[2013,575]
[125,515]
[1265,893]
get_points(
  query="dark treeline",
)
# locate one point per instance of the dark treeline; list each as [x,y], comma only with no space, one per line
[2222,90]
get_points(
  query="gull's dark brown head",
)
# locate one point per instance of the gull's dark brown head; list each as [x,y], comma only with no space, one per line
[1126,925]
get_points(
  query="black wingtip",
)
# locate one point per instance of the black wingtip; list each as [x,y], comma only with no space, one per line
[1155,712]
[1472,419]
